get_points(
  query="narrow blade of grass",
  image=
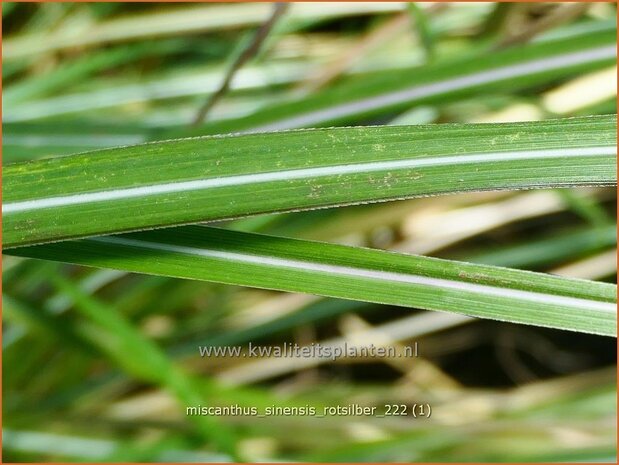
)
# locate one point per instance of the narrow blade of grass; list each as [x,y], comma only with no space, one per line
[254,260]
[202,179]
[475,74]
[139,356]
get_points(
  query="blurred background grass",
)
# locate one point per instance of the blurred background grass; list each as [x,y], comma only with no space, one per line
[92,358]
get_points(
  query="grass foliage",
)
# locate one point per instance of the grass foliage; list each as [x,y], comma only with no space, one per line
[369,172]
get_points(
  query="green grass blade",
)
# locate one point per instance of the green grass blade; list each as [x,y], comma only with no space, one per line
[472,75]
[270,262]
[202,179]
[139,356]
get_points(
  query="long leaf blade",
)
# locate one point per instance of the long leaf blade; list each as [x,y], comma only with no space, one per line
[203,179]
[371,96]
[231,257]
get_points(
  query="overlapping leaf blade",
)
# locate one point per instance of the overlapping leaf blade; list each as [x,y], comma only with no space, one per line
[247,259]
[212,178]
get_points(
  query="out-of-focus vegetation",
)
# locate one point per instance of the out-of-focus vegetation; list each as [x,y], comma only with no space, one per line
[99,364]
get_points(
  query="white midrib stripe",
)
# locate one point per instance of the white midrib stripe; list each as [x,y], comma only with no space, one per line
[388,276]
[302,173]
[441,87]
